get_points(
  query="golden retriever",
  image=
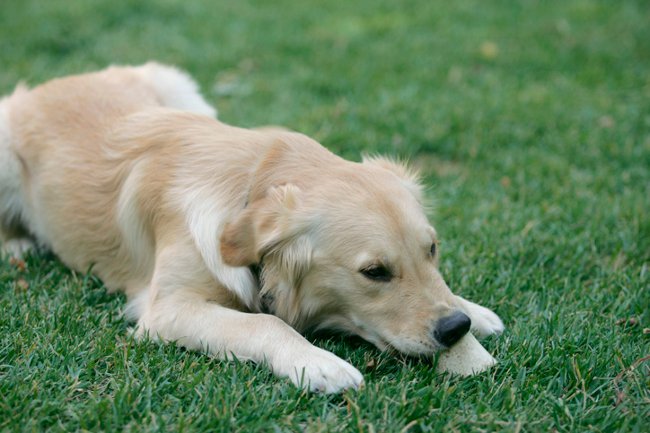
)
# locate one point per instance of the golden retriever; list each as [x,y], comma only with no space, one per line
[224,239]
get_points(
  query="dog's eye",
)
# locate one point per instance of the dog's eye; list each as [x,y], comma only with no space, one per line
[377,273]
[432,252]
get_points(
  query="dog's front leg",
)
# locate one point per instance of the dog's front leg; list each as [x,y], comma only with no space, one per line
[484,321]
[190,320]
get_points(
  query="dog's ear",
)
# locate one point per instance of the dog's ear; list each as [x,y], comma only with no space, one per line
[264,226]
[409,177]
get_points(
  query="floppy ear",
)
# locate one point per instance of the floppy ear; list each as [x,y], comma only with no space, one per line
[410,178]
[265,225]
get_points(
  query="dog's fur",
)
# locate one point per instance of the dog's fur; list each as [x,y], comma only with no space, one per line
[126,172]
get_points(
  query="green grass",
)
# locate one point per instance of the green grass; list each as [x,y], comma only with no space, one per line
[531,123]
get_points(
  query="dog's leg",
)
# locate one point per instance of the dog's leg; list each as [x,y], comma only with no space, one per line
[183,307]
[16,247]
[484,321]
[197,324]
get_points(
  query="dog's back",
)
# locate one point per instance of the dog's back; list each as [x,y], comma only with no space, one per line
[80,112]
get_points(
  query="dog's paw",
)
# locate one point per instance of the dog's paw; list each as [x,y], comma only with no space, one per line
[16,248]
[319,371]
[484,321]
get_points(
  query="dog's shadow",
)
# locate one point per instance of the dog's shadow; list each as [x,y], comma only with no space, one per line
[43,272]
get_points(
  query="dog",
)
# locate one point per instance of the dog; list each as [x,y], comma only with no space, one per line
[226,240]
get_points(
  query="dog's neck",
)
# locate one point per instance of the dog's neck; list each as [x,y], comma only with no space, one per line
[267,299]
[277,294]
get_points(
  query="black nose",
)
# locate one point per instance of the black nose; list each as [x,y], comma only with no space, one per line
[452,328]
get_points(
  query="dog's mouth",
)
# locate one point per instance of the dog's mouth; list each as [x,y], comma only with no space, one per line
[413,346]
[466,357]
[416,348]
[410,346]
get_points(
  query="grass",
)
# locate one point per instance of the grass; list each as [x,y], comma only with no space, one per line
[531,123]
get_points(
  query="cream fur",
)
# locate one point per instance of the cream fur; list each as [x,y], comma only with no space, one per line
[10,192]
[127,172]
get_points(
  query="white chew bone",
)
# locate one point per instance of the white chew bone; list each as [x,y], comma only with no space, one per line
[467,357]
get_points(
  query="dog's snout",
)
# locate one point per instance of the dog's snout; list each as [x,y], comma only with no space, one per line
[452,328]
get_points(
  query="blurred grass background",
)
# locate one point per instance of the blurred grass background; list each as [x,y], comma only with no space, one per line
[531,123]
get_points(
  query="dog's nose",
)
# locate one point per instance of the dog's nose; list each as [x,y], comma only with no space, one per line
[452,328]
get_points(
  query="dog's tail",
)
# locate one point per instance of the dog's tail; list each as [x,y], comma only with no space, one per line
[10,177]
[175,88]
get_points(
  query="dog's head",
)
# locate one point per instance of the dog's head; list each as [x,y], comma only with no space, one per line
[352,251]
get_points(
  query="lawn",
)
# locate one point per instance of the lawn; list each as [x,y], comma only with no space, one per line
[530,122]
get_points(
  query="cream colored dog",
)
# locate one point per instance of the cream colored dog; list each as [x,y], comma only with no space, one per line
[127,173]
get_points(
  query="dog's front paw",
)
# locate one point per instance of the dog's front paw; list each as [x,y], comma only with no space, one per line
[484,321]
[319,371]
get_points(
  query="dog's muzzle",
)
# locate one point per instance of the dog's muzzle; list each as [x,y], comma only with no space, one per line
[450,329]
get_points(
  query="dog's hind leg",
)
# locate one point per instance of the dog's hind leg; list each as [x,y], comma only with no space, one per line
[14,238]
[175,88]
[177,310]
